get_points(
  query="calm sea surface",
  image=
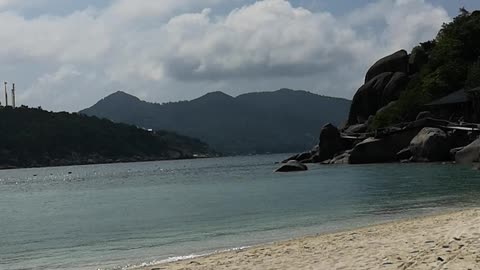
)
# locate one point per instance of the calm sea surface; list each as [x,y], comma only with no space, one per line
[109,216]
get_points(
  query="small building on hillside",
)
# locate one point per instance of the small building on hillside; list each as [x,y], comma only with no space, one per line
[459,105]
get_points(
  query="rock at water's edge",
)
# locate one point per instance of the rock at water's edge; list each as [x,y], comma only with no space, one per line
[371,150]
[430,145]
[404,154]
[469,153]
[343,158]
[294,157]
[382,150]
[330,143]
[292,166]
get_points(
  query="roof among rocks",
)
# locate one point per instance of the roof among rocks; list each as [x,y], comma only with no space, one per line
[474,90]
[459,96]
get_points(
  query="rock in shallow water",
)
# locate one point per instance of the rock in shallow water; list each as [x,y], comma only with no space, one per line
[292,166]
[372,150]
[330,143]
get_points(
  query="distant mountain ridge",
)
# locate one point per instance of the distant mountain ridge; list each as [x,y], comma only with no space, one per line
[259,122]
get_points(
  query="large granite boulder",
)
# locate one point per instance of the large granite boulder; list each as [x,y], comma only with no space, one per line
[431,144]
[371,150]
[292,166]
[384,83]
[330,143]
[397,84]
[417,59]
[382,150]
[469,153]
[368,99]
[397,62]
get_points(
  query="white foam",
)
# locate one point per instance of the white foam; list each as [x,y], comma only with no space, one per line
[180,258]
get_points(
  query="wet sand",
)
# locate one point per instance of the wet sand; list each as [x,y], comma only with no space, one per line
[448,241]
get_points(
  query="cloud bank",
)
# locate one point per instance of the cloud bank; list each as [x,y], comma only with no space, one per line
[179,49]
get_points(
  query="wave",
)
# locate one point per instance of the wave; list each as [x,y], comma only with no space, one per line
[175,259]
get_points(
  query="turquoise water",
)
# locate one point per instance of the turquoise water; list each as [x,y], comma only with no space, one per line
[109,216]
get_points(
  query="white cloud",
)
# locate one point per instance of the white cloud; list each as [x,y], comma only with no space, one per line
[127,10]
[265,39]
[171,48]
[398,24]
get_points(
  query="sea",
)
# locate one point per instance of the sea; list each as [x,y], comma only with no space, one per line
[120,216]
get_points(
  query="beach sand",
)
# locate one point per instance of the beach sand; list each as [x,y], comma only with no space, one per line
[448,241]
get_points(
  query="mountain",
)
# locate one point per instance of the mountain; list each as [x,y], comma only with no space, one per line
[263,122]
[34,137]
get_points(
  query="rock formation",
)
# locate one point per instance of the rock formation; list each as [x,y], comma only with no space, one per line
[426,139]
[430,144]
[397,62]
[292,166]
[330,143]
[469,153]
[384,83]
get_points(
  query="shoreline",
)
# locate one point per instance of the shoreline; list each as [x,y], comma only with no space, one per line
[8,168]
[451,238]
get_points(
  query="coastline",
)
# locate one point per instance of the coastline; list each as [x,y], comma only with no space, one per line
[101,162]
[448,240]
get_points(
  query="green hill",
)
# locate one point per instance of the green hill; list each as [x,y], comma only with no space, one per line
[34,137]
[279,121]
[452,63]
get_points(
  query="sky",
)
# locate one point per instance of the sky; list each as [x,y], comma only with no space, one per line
[65,55]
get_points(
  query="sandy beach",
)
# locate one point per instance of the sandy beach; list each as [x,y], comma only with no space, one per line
[447,241]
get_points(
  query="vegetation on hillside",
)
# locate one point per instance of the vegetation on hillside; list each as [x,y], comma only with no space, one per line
[453,64]
[264,122]
[34,137]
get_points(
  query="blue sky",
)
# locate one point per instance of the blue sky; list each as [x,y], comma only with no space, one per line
[67,54]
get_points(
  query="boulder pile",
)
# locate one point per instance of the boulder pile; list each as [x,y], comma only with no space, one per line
[425,139]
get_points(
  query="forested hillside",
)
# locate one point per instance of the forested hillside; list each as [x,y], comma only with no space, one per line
[34,137]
